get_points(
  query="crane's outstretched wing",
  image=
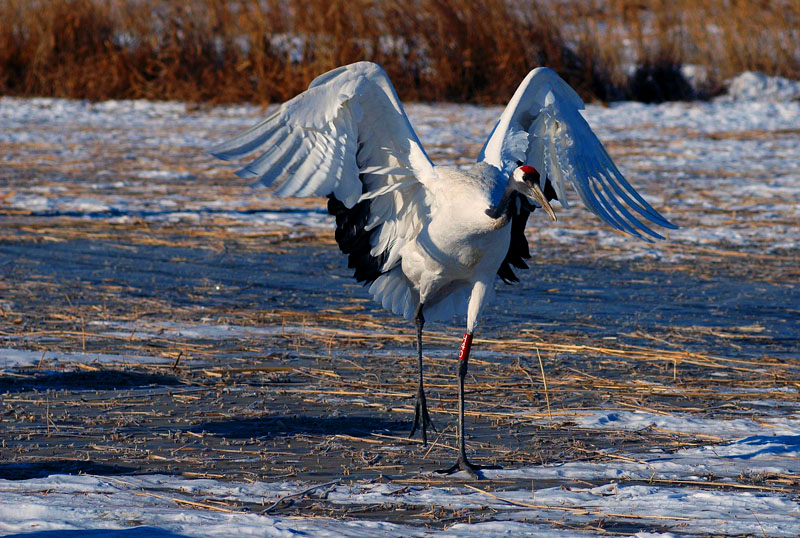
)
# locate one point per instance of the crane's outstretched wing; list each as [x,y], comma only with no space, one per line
[542,127]
[346,137]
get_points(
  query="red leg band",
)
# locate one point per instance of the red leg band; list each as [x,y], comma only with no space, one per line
[466,344]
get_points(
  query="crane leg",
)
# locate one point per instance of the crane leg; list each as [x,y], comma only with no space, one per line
[463,464]
[421,417]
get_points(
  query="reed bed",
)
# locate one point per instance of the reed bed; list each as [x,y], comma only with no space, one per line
[455,50]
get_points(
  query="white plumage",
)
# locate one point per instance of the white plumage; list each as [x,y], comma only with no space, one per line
[542,126]
[430,240]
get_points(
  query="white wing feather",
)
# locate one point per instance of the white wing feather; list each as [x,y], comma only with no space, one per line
[542,126]
[347,135]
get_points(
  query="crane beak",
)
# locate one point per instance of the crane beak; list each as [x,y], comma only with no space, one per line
[538,196]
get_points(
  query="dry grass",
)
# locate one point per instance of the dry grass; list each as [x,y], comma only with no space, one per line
[246,50]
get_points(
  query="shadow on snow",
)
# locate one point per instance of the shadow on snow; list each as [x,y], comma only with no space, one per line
[79,380]
[772,444]
[26,471]
[279,426]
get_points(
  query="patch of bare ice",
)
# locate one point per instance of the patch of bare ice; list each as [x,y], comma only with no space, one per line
[169,329]
[15,358]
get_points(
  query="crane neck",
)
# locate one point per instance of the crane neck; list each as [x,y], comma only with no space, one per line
[499,188]
[500,209]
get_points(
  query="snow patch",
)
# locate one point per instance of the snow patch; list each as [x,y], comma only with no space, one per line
[637,420]
[753,86]
[150,500]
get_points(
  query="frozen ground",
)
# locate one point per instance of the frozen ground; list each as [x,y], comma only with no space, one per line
[181,355]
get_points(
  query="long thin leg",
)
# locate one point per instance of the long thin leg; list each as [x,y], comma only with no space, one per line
[463,363]
[421,417]
[463,464]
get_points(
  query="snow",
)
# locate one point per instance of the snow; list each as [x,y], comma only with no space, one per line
[637,420]
[760,87]
[50,505]
[155,501]
[731,171]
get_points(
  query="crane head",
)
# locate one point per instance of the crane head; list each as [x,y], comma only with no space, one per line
[525,179]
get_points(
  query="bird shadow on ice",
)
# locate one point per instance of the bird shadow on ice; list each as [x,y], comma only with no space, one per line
[136,532]
[26,471]
[94,380]
[281,426]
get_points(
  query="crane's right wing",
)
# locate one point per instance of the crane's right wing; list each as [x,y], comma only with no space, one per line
[542,126]
[346,137]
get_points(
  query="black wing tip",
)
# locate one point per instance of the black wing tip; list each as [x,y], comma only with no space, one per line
[518,249]
[354,240]
[507,274]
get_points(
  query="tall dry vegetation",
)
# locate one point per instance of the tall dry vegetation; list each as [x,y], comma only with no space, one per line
[269,50]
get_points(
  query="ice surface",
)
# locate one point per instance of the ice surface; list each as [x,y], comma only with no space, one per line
[14,358]
[210,331]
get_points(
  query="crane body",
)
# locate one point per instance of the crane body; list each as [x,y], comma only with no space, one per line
[430,241]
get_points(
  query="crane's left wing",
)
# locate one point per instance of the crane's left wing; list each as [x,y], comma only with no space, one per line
[348,138]
[542,126]
[349,123]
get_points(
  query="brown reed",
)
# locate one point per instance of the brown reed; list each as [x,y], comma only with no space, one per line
[455,50]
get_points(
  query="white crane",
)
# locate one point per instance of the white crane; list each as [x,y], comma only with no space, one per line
[430,240]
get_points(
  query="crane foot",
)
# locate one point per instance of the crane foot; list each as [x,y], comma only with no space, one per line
[463,464]
[422,419]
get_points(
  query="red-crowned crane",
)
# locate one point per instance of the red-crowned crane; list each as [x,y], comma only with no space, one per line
[430,240]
